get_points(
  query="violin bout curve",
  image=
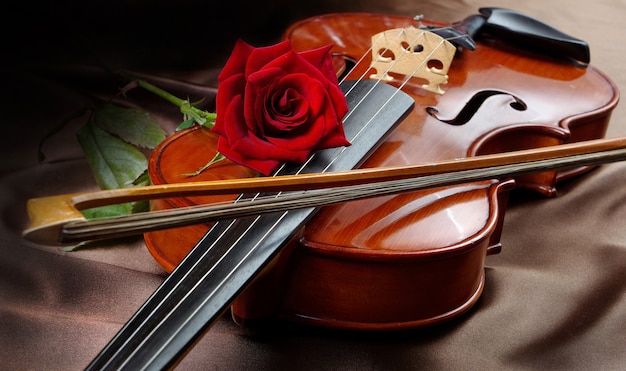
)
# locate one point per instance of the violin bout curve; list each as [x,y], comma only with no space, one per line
[316,283]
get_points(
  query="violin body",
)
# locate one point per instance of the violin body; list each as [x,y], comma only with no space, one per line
[413,259]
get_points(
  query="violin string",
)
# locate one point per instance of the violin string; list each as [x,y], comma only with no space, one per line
[371,90]
[208,297]
[408,77]
[208,250]
[361,78]
[203,255]
[190,291]
[358,104]
[377,59]
[380,54]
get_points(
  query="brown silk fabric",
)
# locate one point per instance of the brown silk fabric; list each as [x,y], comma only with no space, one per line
[554,297]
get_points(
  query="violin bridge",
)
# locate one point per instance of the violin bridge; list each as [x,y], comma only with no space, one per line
[412,52]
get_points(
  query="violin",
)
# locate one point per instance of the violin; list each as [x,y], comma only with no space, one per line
[396,261]
[373,264]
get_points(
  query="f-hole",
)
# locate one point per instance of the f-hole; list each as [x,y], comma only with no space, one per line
[471,107]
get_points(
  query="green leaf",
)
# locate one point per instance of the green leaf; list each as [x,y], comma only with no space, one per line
[108,211]
[73,247]
[185,124]
[143,179]
[115,163]
[140,207]
[131,125]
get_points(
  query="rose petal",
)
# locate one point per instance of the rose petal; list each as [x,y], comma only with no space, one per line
[256,90]
[229,88]
[237,61]
[335,137]
[319,58]
[235,139]
[259,148]
[265,167]
[230,123]
[260,57]
[276,105]
[284,112]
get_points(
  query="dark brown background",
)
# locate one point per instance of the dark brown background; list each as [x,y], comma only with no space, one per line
[554,297]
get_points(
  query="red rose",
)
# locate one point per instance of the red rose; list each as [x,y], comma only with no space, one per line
[276,105]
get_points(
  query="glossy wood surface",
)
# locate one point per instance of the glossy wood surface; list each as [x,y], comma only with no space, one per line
[413,259]
[182,154]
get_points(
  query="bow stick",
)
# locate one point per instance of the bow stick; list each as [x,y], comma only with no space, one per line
[58,220]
